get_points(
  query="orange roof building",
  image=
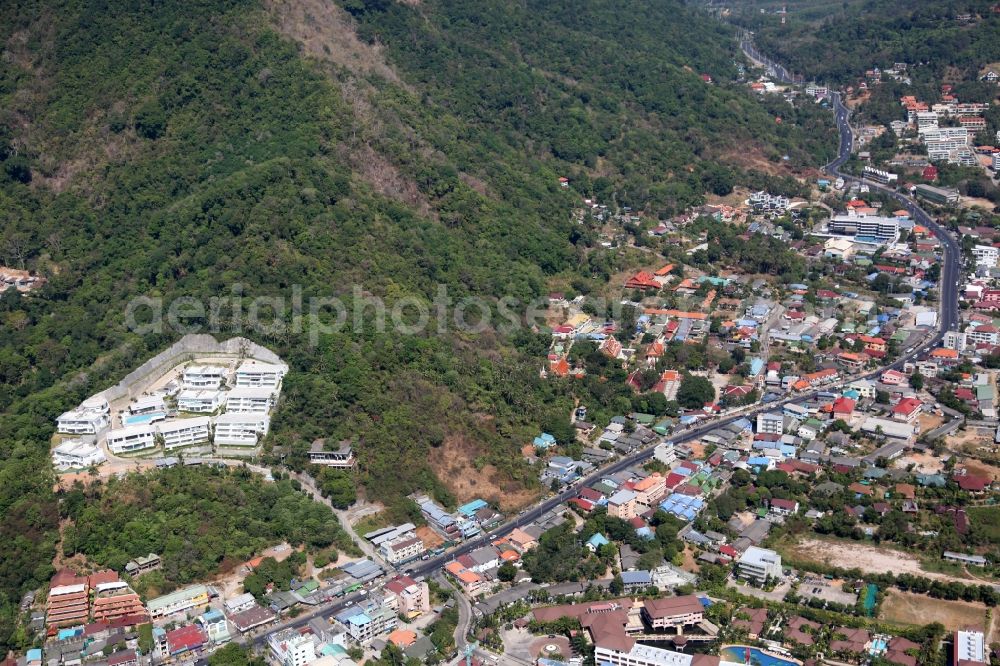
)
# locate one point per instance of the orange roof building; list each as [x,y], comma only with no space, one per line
[642,280]
[402,638]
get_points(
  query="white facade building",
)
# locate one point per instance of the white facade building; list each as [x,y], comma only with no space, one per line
[402,549]
[147,405]
[969,648]
[204,376]
[640,654]
[759,564]
[257,373]
[769,423]
[77,454]
[986,255]
[879,175]
[665,453]
[184,432]
[84,421]
[955,340]
[290,648]
[882,229]
[237,429]
[250,400]
[203,401]
[132,438]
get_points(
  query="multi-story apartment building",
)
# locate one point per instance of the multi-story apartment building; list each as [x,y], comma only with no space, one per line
[131,438]
[237,429]
[115,600]
[184,432]
[203,376]
[258,373]
[673,612]
[250,400]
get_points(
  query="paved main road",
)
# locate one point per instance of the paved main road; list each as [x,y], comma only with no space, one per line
[948,282]
[947,319]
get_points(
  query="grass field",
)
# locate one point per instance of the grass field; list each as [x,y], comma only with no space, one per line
[910,608]
[986,518]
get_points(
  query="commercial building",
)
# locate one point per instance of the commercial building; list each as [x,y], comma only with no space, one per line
[131,438]
[250,400]
[986,255]
[770,423]
[251,618]
[83,422]
[200,401]
[649,490]
[77,454]
[410,597]
[622,505]
[969,648]
[365,622]
[759,564]
[203,376]
[838,248]
[402,549]
[257,373]
[68,604]
[184,432]
[239,603]
[938,195]
[862,226]
[114,600]
[177,601]
[889,428]
[215,626]
[665,453]
[185,639]
[625,651]
[673,612]
[879,176]
[290,648]
[240,429]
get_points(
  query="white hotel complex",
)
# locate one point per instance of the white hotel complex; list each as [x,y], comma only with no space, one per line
[77,454]
[203,376]
[132,438]
[250,400]
[257,373]
[208,413]
[184,432]
[236,429]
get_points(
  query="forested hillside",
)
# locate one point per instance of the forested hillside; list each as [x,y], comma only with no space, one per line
[837,41]
[175,149]
[197,519]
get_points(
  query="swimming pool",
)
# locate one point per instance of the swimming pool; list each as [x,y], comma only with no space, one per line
[142,419]
[879,645]
[740,653]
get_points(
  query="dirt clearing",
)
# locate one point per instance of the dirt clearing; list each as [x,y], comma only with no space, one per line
[870,559]
[917,609]
[429,537]
[453,463]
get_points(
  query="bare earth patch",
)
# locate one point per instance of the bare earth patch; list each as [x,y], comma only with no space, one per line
[452,462]
[326,32]
[870,559]
[918,609]
[429,537]
[926,463]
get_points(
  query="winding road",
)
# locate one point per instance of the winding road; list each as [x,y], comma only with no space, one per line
[947,319]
